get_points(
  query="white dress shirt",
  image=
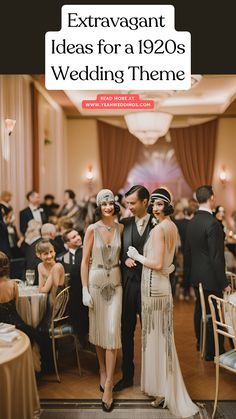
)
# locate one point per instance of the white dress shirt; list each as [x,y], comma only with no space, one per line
[205,209]
[72,251]
[36,213]
[141,223]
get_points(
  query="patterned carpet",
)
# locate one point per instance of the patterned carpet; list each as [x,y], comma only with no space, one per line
[126,409]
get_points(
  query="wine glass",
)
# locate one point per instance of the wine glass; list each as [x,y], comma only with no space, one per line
[29,276]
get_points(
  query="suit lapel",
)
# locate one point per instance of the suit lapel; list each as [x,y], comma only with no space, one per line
[30,214]
[127,236]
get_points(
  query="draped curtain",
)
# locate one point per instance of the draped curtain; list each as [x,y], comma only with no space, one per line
[16,167]
[195,148]
[35,138]
[119,152]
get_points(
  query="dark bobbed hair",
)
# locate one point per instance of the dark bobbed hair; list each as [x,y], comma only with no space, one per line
[4,265]
[29,194]
[168,207]
[98,211]
[70,193]
[49,196]
[217,209]
[203,193]
[142,192]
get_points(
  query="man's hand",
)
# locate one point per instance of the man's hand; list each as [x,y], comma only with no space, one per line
[130,263]
[134,254]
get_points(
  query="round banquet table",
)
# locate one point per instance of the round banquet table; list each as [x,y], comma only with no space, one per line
[19,396]
[31,305]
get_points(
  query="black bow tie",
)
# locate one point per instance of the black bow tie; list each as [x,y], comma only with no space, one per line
[36,209]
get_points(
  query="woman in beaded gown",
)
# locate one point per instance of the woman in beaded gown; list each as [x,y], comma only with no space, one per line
[51,276]
[51,281]
[9,294]
[161,376]
[102,290]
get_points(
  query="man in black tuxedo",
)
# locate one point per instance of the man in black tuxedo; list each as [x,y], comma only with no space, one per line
[204,260]
[72,262]
[33,211]
[136,232]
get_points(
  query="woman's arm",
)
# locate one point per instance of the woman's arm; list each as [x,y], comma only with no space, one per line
[58,274]
[121,229]
[56,277]
[41,280]
[87,250]
[158,242]
[16,291]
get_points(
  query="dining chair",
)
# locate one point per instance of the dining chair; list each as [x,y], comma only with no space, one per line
[232,280]
[223,314]
[60,326]
[204,319]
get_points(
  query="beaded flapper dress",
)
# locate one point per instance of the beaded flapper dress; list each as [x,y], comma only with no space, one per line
[106,291]
[161,375]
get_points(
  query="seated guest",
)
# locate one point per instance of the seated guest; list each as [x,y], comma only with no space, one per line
[72,262]
[51,281]
[8,297]
[51,275]
[33,211]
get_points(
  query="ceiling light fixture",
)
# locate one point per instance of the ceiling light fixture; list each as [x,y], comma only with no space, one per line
[148,126]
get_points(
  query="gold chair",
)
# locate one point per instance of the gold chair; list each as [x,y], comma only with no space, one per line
[232,280]
[205,318]
[60,326]
[224,323]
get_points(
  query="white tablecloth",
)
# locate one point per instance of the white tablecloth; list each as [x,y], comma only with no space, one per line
[19,396]
[31,305]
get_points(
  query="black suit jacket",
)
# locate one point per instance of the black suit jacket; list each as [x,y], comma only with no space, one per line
[26,215]
[126,242]
[78,312]
[204,252]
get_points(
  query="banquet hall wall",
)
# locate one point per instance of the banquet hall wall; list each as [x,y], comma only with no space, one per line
[18,155]
[69,147]
[83,148]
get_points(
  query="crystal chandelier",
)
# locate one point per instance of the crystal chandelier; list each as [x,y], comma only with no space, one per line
[148,126]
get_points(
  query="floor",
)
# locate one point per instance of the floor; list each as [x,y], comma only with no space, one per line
[199,375]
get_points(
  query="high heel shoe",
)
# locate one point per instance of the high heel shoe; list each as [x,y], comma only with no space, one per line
[107,407]
[101,388]
[158,402]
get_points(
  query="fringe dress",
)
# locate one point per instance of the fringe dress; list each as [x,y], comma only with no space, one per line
[160,373]
[106,291]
